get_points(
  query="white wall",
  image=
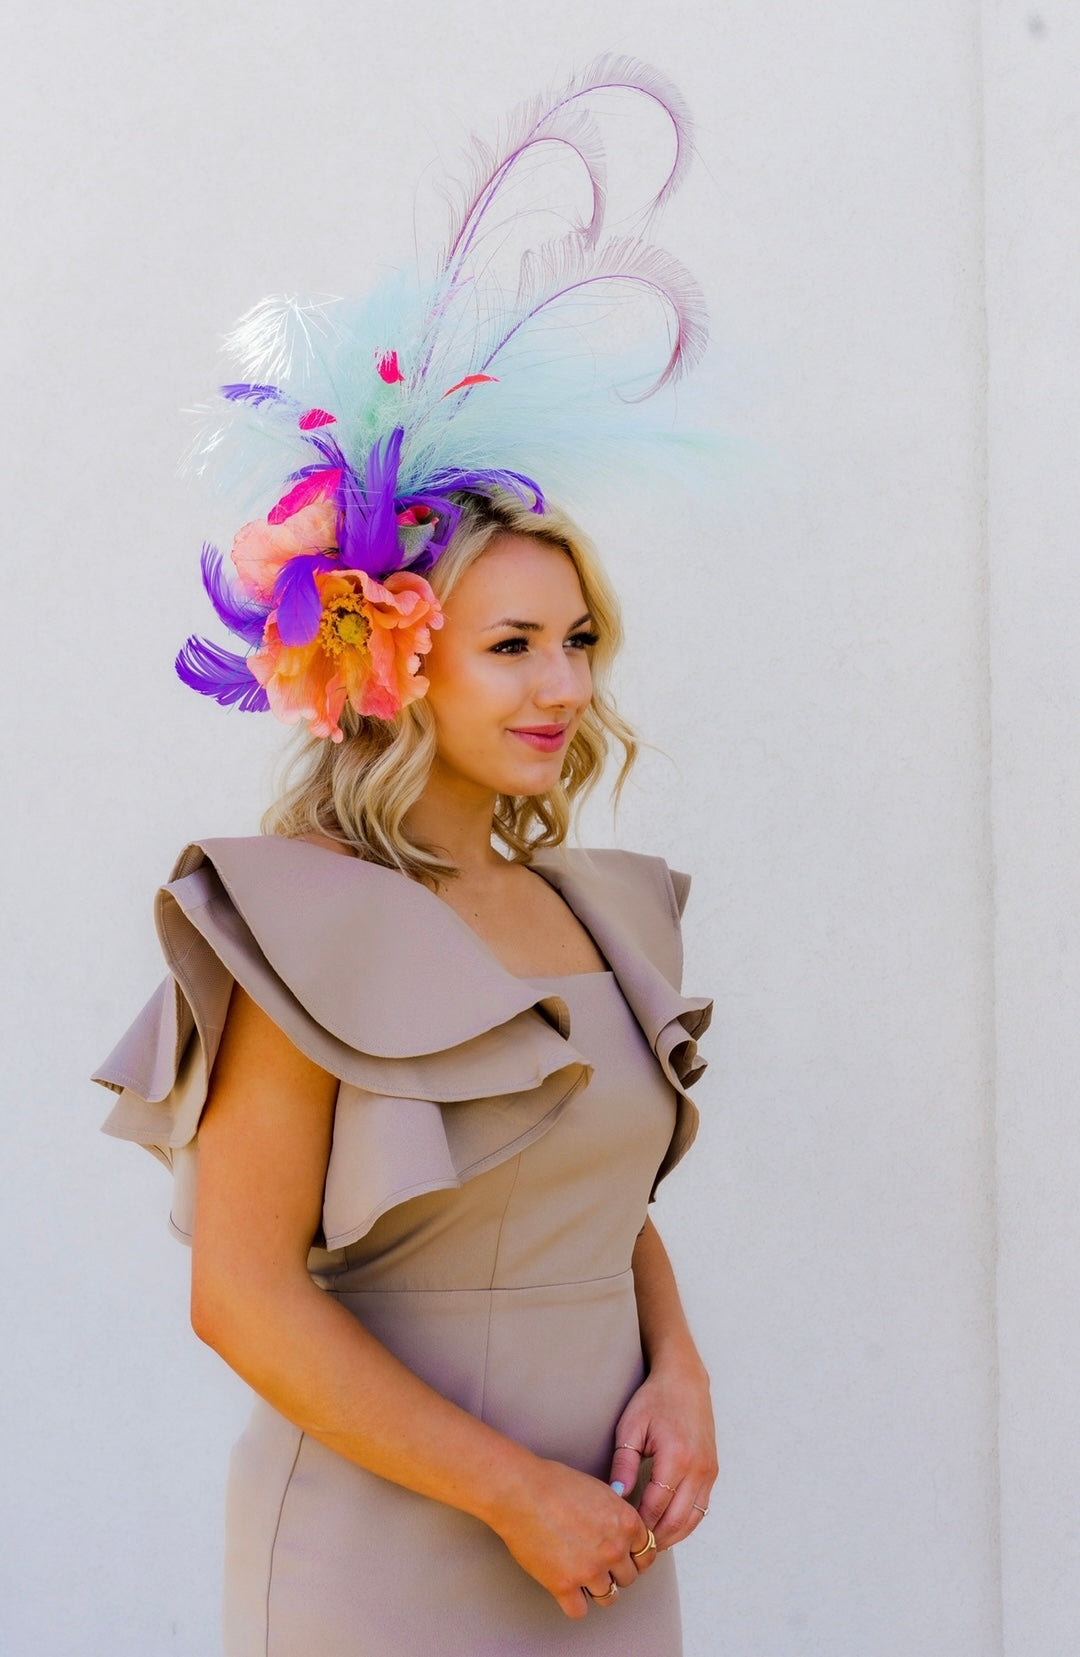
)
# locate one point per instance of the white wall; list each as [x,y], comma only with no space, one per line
[1033,255]
[861,670]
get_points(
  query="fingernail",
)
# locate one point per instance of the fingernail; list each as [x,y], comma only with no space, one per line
[618,1487]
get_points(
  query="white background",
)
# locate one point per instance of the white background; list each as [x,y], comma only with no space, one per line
[858,656]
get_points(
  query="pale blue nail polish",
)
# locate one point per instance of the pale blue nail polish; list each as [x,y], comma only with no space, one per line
[618,1487]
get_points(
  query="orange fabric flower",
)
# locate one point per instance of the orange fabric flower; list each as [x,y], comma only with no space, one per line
[261,548]
[367,651]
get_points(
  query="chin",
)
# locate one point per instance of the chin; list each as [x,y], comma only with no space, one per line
[532,779]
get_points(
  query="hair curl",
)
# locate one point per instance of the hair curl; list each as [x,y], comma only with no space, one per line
[359,791]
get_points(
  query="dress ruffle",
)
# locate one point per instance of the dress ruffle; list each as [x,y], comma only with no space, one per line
[447,1062]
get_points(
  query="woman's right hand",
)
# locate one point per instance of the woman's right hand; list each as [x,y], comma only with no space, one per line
[576,1536]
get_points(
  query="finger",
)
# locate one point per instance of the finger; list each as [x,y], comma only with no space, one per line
[625,1466]
[655,1501]
[573,1604]
[625,1573]
[684,1513]
[604,1592]
[644,1555]
[676,1523]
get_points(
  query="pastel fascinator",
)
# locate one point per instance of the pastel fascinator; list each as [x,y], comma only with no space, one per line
[358,424]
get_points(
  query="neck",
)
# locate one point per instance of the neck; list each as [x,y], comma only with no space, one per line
[455,819]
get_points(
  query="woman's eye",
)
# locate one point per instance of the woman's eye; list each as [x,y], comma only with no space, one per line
[518,645]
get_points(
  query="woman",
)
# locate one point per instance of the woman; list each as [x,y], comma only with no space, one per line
[429,1087]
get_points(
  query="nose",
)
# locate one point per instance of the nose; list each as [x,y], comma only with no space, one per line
[564,680]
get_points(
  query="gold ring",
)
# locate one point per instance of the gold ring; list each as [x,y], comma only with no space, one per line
[701,1510]
[650,1546]
[612,1591]
[662,1485]
[633,1447]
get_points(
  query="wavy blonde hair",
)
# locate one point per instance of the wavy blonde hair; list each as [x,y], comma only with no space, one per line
[359,791]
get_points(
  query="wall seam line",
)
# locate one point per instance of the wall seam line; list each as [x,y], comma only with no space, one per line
[997,1517]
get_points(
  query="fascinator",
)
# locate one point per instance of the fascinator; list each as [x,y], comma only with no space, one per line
[359,425]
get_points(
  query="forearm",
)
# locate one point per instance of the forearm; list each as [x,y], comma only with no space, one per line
[665,1333]
[318,1366]
[669,1418]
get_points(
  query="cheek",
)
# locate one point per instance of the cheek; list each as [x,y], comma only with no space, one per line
[480,685]
[472,698]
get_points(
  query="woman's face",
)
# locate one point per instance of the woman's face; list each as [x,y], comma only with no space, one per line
[509,671]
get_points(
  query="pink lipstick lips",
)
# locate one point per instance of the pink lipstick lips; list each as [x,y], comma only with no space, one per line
[547,738]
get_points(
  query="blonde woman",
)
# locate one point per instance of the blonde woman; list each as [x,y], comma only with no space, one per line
[417,1068]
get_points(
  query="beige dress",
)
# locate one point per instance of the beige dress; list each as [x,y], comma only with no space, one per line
[482,1232]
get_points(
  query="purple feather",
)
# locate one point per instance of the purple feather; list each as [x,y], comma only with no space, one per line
[380,480]
[222,674]
[242,392]
[369,529]
[329,448]
[242,616]
[296,596]
[351,539]
[483,479]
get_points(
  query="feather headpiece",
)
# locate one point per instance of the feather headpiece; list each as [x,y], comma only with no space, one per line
[363,421]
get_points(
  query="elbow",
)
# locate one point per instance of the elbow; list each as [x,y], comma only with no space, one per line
[209,1318]
[238,1305]
[223,1299]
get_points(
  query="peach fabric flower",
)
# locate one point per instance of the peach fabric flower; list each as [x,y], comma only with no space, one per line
[366,653]
[261,548]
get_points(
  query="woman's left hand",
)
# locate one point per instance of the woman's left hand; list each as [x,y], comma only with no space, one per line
[669,1418]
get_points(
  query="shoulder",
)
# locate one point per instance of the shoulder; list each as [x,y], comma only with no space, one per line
[276,875]
[619,872]
[263,851]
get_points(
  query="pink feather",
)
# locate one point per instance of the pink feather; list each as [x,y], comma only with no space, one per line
[387,364]
[470,379]
[315,487]
[316,417]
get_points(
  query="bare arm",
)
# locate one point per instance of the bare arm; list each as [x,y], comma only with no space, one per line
[264,1142]
[670,1416]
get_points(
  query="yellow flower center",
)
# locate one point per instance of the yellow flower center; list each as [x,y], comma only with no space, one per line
[344,625]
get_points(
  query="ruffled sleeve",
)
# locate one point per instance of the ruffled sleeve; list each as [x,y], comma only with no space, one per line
[446,1064]
[633,904]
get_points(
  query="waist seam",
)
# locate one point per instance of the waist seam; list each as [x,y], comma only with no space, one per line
[479,1289]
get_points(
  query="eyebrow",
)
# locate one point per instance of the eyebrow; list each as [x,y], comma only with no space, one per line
[534,626]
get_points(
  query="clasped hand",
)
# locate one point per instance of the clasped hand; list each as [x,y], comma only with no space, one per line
[669,1418]
[577,1536]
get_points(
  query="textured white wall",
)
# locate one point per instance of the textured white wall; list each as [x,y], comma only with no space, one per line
[817,669]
